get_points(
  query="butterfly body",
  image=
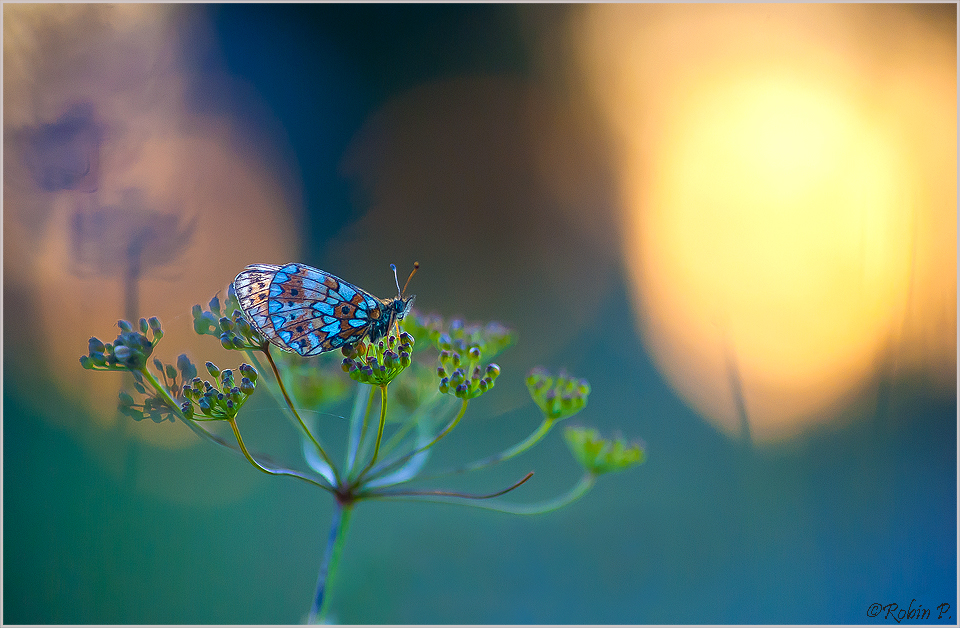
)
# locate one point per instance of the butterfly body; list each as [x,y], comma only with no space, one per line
[309,311]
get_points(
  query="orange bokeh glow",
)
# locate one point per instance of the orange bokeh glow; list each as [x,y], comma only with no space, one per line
[782,225]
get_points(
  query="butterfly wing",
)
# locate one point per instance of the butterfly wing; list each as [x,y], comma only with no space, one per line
[252,286]
[304,309]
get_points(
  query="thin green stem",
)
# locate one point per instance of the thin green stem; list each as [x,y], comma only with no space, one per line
[401,459]
[202,432]
[579,490]
[330,562]
[173,405]
[383,419]
[362,444]
[358,426]
[254,462]
[516,450]
[416,420]
[303,426]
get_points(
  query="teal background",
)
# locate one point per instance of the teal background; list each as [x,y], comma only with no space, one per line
[708,530]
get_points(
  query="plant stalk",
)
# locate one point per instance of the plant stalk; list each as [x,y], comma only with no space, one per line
[383,419]
[331,560]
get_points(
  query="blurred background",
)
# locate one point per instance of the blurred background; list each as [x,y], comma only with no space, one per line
[737,222]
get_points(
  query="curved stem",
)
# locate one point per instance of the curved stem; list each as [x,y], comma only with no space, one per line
[253,461]
[204,433]
[383,418]
[401,459]
[516,450]
[331,560]
[438,493]
[303,426]
[579,490]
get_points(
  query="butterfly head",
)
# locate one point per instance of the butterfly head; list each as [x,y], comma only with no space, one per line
[401,306]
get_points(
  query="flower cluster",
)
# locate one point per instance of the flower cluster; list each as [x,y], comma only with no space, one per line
[378,363]
[129,352]
[461,347]
[463,376]
[558,397]
[599,455]
[228,324]
[491,338]
[222,400]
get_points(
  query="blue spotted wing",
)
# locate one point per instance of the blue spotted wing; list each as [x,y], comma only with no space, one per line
[308,311]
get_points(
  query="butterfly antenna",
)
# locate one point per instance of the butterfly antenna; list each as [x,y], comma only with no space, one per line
[393,267]
[416,267]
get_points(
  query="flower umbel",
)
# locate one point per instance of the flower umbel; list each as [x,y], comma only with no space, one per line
[222,400]
[129,352]
[228,324]
[600,455]
[378,363]
[559,397]
[491,338]
[463,375]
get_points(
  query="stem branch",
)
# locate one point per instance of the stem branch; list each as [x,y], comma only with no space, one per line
[401,459]
[303,426]
[383,418]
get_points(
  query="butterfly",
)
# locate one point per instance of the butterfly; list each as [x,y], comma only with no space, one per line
[308,311]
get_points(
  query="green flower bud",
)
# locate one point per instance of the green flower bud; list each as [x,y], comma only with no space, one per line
[244,327]
[95,346]
[249,372]
[122,353]
[213,370]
